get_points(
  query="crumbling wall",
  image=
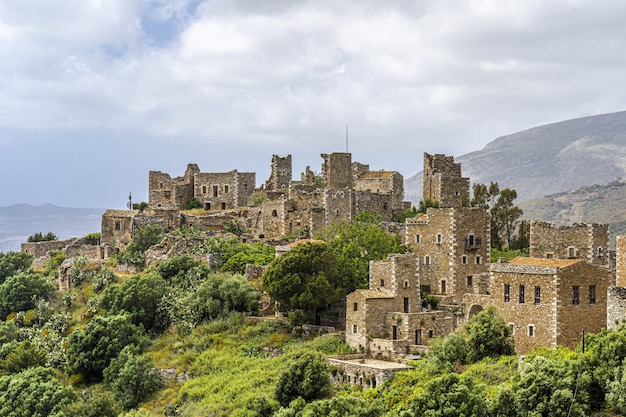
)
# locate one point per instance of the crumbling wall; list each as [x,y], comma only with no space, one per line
[281,174]
[442,181]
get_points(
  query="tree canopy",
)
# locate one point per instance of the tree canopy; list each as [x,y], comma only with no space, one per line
[306,278]
[504,213]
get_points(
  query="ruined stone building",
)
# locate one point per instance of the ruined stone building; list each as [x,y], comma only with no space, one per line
[442,181]
[587,241]
[548,301]
[344,189]
[214,191]
[281,207]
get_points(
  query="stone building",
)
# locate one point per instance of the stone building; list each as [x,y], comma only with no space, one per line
[616,308]
[442,181]
[215,191]
[343,189]
[549,302]
[389,317]
[454,249]
[587,241]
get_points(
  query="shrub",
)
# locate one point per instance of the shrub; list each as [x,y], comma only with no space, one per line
[132,377]
[306,377]
[102,339]
[39,237]
[21,292]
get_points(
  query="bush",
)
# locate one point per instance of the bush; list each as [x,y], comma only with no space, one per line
[39,237]
[306,377]
[13,262]
[34,392]
[132,377]
[193,203]
[21,292]
[140,297]
[94,403]
[222,294]
[93,347]
[93,238]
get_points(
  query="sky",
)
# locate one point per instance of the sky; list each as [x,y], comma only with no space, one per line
[96,93]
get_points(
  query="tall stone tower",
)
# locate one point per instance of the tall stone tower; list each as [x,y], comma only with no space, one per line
[281,174]
[337,171]
[443,182]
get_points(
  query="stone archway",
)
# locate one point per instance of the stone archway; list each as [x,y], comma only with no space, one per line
[475,309]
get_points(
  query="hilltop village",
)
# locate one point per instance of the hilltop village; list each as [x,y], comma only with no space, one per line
[570,283]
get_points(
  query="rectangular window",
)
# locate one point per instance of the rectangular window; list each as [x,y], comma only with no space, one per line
[592,294]
[426,260]
[382,282]
[537,295]
[215,188]
[356,306]
[439,238]
[522,294]
[355,329]
[418,238]
[204,189]
[464,259]
[443,286]
[406,304]
[575,295]
[531,330]
[431,333]
[507,293]
[571,252]
[478,260]
[226,189]
[469,281]
[470,240]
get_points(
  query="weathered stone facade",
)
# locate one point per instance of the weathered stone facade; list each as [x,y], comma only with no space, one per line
[442,181]
[587,241]
[363,371]
[549,302]
[454,247]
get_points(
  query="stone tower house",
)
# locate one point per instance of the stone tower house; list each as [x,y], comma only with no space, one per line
[443,182]
[281,174]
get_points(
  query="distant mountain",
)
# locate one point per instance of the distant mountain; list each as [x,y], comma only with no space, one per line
[19,221]
[547,159]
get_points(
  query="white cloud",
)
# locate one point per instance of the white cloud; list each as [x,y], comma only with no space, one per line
[430,75]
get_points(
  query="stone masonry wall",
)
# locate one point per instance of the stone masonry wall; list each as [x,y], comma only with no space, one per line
[620,254]
[442,181]
[588,241]
[616,307]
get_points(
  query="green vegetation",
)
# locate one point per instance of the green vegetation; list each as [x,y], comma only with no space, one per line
[504,214]
[40,237]
[144,237]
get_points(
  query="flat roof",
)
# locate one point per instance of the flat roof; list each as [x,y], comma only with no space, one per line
[374,363]
[549,262]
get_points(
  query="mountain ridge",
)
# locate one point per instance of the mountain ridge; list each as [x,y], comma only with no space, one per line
[547,159]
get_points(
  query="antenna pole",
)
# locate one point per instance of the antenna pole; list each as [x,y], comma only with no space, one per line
[346,138]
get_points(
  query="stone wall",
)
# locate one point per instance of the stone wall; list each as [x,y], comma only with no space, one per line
[442,181]
[620,261]
[615,307]
[224,191]
[554,319]
[337,171]
[359,370]
[280,175]
[453,245]
[167,192]
[588,241]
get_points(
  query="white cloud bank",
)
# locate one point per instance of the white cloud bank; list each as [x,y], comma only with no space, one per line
[407,76]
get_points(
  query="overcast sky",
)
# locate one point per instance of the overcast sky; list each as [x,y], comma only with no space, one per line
[96,93]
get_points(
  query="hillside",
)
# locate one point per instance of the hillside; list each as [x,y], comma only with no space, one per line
[19,221]
[547,159]
[597,203]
